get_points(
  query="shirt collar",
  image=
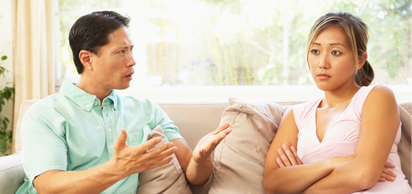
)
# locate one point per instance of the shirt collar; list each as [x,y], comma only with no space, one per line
[113,96]
[82,98]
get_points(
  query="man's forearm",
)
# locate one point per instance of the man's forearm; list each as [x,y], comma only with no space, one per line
[198,174]
[94,180]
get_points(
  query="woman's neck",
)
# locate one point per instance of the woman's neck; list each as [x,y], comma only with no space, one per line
[339,95]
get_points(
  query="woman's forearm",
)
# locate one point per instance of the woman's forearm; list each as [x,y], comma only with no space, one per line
[295,179]
[350,177]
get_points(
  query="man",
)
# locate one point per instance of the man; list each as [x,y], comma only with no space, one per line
[69,139]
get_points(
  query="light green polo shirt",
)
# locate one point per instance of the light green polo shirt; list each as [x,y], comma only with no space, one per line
[73,131]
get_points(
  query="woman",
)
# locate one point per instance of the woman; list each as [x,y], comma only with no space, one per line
[346,140]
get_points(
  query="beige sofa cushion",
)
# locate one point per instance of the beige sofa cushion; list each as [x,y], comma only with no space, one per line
[11,173]
[165,179]
[404,146]
[240,158]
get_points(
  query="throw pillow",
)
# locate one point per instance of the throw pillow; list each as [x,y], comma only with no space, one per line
[165,179]
[404,146]
[239,160]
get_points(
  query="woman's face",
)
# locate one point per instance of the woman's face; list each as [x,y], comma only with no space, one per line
[331,60]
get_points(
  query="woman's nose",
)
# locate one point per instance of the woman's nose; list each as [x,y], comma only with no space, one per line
[324,62]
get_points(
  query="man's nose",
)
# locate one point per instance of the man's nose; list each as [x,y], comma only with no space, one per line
[131,61]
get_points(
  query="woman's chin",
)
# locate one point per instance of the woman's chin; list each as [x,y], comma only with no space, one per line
[324,86]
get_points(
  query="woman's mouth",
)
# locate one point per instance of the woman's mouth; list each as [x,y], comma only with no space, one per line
[323,76]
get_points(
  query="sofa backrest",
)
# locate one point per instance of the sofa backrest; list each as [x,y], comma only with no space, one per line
[194,119]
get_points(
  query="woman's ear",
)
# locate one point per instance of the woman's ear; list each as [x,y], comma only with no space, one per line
[362,59]
[86,57]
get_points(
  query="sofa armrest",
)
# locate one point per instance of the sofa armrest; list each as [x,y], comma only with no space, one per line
[11,174]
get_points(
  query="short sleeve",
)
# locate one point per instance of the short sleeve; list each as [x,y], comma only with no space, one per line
[170,130]
[297,113]
[43,143]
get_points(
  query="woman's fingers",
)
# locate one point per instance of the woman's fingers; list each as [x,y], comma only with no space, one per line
[295,153]
[289,155]
[389,165]
[284,157]
[387,175]
[280,163]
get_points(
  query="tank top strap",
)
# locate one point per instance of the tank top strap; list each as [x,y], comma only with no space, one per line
[359,98]
[302,112]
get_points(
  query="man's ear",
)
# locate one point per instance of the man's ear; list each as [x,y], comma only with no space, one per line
[86,57]
[362,59]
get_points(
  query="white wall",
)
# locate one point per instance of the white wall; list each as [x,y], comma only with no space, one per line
[6,48]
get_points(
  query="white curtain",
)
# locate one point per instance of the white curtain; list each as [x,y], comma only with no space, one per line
[33,52]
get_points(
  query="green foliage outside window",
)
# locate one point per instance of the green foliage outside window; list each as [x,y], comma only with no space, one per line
[252,42]
[5,94]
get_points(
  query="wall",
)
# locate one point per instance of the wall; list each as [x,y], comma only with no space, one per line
[6,48]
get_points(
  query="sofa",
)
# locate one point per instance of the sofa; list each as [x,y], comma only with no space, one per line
[194,119]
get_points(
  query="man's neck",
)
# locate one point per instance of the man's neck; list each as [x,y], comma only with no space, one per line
[93,88]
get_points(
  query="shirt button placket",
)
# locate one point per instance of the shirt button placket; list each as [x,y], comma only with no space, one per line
[109,136]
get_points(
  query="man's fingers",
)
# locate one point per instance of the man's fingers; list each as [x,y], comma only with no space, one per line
[289,154]
[157,151]
[149,144]
[221,128]
[121,140]
[219,137]
[160,163]
[165,153]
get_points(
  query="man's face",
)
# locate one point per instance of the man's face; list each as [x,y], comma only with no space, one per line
[113,66]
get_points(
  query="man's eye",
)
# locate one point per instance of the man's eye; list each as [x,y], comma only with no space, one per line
[122,51]
[314,51]
[336,53]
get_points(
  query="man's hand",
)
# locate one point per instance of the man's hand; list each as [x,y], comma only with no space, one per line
[135,159]
[209,142]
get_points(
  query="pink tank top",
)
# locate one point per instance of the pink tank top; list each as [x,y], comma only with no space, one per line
[341,139]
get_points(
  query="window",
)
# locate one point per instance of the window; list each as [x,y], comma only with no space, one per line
[261,43]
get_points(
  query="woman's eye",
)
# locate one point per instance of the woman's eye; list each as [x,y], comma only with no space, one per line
[336,53]
[122,51]
[314,51]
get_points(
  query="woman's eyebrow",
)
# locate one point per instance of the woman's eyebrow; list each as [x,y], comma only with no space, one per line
[337,44]
[315,43]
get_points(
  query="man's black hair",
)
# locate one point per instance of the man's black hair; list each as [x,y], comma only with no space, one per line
[92,31]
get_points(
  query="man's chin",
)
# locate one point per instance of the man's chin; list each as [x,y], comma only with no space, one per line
[123,87]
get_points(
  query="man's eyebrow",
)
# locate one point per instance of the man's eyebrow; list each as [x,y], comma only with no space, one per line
[122,47]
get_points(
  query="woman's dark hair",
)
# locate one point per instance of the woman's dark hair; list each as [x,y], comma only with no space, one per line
[357,34]
[92,31]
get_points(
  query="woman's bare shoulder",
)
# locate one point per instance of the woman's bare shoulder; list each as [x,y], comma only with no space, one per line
[381,95]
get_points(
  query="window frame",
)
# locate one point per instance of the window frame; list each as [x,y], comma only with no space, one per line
[194,93]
